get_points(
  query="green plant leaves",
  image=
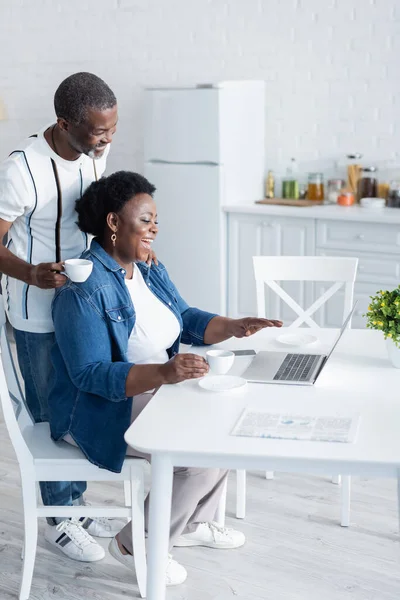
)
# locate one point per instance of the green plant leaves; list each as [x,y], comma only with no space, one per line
[384,314]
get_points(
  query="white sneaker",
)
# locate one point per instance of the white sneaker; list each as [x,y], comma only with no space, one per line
[100,526]
[174,575]
[69,537]
[212,535]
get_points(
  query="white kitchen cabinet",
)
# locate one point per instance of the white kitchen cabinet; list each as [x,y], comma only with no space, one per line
[376,245]
[373,239]
[252,235]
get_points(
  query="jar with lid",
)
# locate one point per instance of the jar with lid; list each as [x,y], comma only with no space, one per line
[315,186]
[335,186]
[345,198]
[394,194]
[368,184]
[353,171]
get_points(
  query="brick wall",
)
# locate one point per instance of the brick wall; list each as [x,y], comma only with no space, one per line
[331,66]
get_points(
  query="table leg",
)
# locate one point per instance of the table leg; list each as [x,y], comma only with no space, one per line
[240,493]
[398,494]
[159,526]
[345,501]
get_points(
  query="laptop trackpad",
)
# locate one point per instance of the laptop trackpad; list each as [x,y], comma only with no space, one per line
[264,366]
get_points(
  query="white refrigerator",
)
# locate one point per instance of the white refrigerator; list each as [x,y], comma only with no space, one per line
[203,149]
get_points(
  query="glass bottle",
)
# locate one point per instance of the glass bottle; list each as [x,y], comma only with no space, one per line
[394,194]
[270,185]
[368,184]
[315,186]
[290,184]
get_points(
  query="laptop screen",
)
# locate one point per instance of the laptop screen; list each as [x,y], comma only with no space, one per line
[342,329]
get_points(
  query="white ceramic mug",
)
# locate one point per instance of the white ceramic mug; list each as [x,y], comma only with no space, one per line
[220,361]
[78,269]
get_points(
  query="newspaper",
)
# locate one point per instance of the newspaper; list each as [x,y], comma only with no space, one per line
[288,426]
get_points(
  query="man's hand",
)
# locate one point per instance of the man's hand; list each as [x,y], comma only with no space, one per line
[47,276]
[249,325]
[184,366]
[152,258]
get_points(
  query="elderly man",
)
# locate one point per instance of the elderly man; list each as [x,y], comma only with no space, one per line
[39,184]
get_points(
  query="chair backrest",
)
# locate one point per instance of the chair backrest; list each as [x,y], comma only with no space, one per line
[271,270]
[16,415]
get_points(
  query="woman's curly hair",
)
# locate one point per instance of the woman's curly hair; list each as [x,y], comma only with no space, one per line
[109,194]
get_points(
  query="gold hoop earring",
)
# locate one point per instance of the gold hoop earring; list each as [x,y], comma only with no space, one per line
[114,239]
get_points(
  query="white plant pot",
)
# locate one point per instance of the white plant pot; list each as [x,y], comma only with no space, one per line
[393,353]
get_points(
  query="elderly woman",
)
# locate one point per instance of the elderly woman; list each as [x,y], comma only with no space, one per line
[117,340]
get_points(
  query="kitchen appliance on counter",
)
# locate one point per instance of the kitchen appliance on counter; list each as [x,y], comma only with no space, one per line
[203,148]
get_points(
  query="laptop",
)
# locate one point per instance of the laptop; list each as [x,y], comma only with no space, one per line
[290,369]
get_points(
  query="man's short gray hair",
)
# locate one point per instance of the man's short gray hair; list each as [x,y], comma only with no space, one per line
[80,92]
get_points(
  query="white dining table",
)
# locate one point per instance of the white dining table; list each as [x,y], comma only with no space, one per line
[184,425]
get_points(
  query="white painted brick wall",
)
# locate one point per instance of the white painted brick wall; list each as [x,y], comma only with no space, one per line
[332,67]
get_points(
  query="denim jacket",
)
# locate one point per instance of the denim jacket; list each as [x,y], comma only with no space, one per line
[93,321]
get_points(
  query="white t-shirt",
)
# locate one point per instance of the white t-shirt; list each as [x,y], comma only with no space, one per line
[31,200]
[156,327]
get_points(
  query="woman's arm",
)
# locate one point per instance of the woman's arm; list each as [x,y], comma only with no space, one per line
[223,328]
[201,327]
[86,347]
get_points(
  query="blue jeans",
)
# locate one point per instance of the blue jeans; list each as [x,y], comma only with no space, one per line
[33,350]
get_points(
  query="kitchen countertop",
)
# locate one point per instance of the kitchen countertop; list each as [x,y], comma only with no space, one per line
[332,212]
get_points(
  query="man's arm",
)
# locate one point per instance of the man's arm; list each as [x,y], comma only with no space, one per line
[43,275]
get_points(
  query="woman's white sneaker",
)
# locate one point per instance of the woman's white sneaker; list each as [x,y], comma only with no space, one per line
[175,573]
[212,535]
[70,537]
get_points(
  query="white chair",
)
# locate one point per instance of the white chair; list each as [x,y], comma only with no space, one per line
[270,271]
[42,459]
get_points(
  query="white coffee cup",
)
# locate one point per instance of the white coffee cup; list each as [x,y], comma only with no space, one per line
[220,361]
[78,269]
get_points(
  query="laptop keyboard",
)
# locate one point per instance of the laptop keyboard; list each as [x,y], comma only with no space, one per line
[297,367]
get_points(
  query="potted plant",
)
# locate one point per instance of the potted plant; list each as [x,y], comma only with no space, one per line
[384,314]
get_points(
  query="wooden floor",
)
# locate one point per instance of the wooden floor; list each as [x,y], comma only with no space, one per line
[295,548]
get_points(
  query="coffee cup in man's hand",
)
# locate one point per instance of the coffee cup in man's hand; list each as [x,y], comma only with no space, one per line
[78,269]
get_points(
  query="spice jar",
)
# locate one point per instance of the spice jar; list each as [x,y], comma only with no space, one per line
[394,194]
[334,189]
[315,186]
[368,184]
[346,199]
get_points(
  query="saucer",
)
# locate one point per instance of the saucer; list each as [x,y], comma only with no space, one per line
[222,383]
[297,339]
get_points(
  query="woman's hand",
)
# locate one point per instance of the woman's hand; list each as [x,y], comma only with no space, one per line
[223,328]
[184,366]
[249,325]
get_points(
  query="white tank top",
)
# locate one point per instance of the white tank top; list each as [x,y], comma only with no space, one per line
[156,327]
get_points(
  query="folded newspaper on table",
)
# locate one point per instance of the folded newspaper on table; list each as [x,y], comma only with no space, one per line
[253,423]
